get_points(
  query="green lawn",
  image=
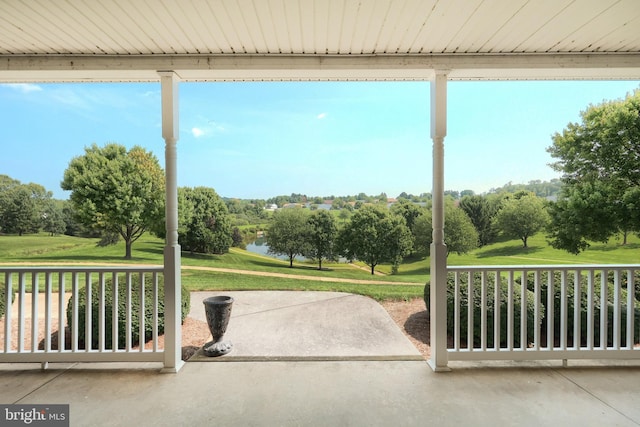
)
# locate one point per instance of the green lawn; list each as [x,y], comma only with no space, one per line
[43,250]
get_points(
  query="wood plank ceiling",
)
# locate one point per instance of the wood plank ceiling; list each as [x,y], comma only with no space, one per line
[219,39]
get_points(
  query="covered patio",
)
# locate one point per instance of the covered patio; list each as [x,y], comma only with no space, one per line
[429,40]
[327,359]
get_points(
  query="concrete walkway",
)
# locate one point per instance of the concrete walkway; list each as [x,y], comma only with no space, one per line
[282,374]
[285,325]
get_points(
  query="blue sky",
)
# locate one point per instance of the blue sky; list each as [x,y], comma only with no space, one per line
[258,140]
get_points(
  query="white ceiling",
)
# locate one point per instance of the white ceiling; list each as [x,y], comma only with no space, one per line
[318,39]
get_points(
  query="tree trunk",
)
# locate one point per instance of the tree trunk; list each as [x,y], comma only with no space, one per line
[524,240]
[320,264]
[372,269]
[127,254]
[290,261]
[624,237]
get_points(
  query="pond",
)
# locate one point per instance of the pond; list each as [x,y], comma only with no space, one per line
[259,246]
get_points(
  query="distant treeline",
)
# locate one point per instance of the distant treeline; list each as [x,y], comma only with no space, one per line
[539,188]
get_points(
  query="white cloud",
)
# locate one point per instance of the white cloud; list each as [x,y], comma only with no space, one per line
[321,116]
[24,87]
[197,132]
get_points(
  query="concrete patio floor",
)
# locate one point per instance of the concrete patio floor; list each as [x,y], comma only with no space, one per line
[311,386]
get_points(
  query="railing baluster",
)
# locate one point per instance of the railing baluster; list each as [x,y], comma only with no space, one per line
[577,306]
[470,311]
[155,312]
[48,285]
[616,309]
[61,311]
[510,310]
[88,330]
[141,314]
[8,297]
[101,309]
[128,313]
[115,344]
[604,298]
[21,310]
[74,310]
[551,294]
[590,313]
[523,310]
[456,311]
[483,311]
[630,309]
[497,300]
[536,311]
[563,310]
[34,311]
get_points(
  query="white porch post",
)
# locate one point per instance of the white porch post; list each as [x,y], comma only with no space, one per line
[438,300]
[172,283]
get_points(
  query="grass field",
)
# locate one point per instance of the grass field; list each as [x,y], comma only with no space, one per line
[407,283]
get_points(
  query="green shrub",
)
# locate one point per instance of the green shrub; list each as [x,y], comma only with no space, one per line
[3,301]
[122,306]
[490,303]
[569,320]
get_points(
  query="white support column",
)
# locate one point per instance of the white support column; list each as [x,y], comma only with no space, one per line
[438,300]
[172,282]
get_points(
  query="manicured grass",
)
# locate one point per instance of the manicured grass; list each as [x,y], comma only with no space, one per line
[197,280]
[539,252]
[43,250]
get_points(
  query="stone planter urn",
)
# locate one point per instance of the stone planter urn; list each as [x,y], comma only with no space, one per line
[218,312]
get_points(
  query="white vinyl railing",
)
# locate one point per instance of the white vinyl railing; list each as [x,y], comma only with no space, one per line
[562,312]
[51,320]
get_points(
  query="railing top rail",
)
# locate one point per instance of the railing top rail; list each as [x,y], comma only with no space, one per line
[83,269]
[545,267]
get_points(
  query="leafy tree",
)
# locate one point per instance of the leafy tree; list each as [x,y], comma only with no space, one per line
[481,212]
[22,206]
[238,239]
[422,234]
[116,190]
[600,162]
[522,217]
[408,210]
[53,217]
[321,237]
[208,228]
[460,235]
[375,236]
[411,212]
[287,234]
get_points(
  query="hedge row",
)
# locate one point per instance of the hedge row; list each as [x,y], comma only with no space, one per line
[122,307]
[543,309]
[490,302]
[584,303]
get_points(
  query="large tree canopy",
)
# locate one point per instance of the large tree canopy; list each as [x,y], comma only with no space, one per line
[116,190]
[288,233]
[460,235]
[321,237]
[481,211]
[23,207]
[204,225]
[522,216]
[374,236]
[600,162]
